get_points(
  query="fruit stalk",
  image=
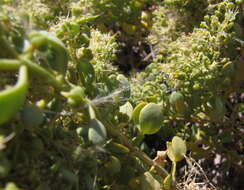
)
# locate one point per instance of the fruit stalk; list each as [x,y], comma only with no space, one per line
[60,85]
[141,155]
[9,64]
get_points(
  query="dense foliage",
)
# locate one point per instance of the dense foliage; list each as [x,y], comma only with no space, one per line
[71,116]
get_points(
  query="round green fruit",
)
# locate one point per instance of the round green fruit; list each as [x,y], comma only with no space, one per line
[239,2]
[136,112]
[216,109]
[113,165]
[82,131]
[150,119]
[11,186]
[97,133]
[32,116]
[42,41]
[177,100]
[176,150]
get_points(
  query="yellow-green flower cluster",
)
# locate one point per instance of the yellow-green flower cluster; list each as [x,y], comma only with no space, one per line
[195,63]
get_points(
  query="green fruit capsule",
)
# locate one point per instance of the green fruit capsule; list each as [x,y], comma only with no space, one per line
[97,133]
[238,2]
[45,41]
[150,119]
[86,70]
[216,109]
[13,98]
[82,131]
[75,96]
[32,116]
[11,186]
[126,109]
[113,165]
[176,150]
[136,112]
[177,100]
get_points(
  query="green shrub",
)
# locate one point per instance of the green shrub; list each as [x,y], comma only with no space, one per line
[74,121]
